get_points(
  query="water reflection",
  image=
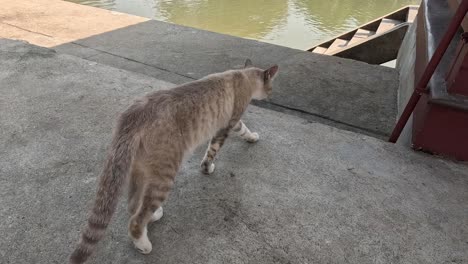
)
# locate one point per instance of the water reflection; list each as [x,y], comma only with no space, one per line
[294,23]
[244,18]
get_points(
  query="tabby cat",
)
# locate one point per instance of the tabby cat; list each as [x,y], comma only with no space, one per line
[154,135]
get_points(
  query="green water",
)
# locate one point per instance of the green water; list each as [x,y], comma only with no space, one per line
[293,23]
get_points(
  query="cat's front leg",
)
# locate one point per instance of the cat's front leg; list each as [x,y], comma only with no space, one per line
[243,131]
[207,165]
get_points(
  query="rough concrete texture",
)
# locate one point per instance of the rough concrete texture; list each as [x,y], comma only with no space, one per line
[356,94]
[347,94]
[305,193]
[50,23]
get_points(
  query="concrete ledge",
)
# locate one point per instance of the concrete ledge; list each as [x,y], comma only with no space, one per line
[49,23]
[348,94]
[305,193]
[352,93]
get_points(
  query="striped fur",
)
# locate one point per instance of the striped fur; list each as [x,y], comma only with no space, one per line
[152,137]
[240,129]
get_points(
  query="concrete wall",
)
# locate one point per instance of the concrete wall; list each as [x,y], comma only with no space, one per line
[405,64]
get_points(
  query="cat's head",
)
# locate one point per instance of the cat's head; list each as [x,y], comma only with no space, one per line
[263,87]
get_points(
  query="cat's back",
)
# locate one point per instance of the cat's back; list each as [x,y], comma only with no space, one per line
[186,101]
[196,93]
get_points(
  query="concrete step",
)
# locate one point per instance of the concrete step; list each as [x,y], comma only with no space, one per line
[338,91]
[348,94]
[305,193]
[387,24]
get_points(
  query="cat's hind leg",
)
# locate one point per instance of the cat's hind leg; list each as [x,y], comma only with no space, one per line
[156,191]
[135,192]
[241,130]
[135,187]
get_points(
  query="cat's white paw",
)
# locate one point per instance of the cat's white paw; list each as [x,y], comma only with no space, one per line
[253,137]
[211,168]
[207,167]
[143,244]
[157,214]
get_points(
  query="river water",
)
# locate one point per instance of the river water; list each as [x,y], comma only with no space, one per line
[293,23]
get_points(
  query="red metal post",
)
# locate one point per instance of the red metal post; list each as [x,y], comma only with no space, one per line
[431,66]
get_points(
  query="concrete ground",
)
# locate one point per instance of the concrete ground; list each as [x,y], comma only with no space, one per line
[305,193]
[347,94]
[49,23]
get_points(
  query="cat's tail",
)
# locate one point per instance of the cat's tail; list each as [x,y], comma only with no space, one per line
[111,181]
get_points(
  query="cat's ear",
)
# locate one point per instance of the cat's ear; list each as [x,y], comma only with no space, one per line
[270,73]
[248,63]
